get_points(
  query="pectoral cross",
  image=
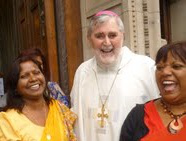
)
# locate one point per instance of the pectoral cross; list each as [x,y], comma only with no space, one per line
[102,115]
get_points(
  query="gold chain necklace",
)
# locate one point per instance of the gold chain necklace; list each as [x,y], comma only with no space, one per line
[104,115]
[176,124]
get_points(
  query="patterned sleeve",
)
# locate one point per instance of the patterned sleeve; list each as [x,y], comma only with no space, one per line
[57,93]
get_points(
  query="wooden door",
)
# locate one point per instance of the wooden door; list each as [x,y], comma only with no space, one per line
[31,31]
[69,40]
[30,26]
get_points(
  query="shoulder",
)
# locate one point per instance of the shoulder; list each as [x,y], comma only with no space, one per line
[84,69]
[87,65]
[136,113]
[136,60]
[68,114]
[143,60]
[11,116]
[6,125]
[134,127]
[8,114]
[9,119]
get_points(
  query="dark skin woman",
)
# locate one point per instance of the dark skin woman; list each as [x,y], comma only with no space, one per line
[55,90]
[163,118]
[30,113]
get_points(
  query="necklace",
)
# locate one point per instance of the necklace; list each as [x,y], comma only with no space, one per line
[176,124]
[103,115]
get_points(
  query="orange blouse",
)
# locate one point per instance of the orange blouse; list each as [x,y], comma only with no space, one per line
[157,130]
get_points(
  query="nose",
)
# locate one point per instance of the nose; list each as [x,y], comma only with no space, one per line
[32,77]
[107,41]
[167,70]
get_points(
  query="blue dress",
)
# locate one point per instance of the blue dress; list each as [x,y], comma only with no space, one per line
[57,93]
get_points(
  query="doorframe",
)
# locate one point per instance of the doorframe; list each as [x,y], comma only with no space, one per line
[69,41]
[51,40]
[165,20]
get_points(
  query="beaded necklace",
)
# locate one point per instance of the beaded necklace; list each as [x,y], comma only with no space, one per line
[176,124]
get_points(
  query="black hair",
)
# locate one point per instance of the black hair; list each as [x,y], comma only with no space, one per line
[177,49]
[14,99]
[36,52]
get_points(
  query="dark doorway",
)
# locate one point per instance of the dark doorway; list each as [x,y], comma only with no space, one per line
[165,20]
[21,27]
[25,24]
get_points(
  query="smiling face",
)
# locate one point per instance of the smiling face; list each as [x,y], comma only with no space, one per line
[31,83]
[106,41]
[171,79]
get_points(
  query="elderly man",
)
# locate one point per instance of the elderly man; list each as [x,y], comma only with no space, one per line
[107,86]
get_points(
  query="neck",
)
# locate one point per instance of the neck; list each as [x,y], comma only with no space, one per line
[35,104]
[177,109]
[36,111]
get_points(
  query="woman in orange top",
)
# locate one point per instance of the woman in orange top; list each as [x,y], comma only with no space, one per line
[163,118]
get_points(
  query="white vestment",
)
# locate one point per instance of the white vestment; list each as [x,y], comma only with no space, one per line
[134,83]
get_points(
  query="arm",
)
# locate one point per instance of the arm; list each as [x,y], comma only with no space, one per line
[76,104]
[57,93]
[134,127]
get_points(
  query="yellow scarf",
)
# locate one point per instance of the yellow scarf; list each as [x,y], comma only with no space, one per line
[55,129]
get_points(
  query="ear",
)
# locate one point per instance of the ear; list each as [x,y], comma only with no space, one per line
[123,38]
[89,40]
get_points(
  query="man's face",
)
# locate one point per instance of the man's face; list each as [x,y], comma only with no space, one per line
[106,41]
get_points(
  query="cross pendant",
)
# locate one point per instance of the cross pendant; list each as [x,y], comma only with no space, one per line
[102,115]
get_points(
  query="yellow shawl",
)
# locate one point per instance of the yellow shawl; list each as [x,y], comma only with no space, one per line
[59,123]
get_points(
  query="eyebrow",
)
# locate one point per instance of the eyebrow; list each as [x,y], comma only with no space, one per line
[108,32]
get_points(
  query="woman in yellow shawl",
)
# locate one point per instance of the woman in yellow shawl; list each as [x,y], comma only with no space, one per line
[30,113]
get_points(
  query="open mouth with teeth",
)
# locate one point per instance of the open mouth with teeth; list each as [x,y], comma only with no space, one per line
[34,87]
[169,85]
[107,50]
